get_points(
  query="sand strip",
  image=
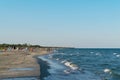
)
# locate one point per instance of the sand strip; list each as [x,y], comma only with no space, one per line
[22,60]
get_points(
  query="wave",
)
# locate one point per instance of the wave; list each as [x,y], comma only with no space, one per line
[118,55]
[107,71]
[71,65]
[66,70]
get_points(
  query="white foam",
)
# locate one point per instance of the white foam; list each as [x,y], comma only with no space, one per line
[98,54]
[50,56]
[107,71]
[91,52]
[68,63]
[114,53]
[72,66]
[117,55]
[67,71]
[57,59]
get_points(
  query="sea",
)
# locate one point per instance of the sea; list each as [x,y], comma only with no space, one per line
[83,64]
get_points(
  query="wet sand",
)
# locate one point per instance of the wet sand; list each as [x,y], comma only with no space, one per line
[11,64]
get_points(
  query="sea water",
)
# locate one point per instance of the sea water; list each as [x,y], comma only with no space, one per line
[83,64]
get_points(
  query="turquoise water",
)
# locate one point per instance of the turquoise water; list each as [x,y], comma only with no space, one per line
[84,64]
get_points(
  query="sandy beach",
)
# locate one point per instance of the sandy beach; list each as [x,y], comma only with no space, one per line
[20,64]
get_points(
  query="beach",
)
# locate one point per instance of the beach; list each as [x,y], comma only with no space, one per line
[19,64]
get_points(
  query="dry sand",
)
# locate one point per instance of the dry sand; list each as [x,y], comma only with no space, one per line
[18,60]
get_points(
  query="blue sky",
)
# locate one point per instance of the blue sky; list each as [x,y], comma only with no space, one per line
[75,23]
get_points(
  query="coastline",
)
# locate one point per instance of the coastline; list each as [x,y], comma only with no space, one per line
[44,66]
[32,65]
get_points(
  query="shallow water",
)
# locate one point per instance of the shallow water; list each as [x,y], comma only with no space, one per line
[84,64]
[21,69]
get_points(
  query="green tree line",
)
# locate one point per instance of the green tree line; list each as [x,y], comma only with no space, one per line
[3,46]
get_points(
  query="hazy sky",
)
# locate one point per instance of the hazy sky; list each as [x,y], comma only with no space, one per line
[78,23]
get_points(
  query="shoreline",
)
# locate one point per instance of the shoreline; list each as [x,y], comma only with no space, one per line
[19,60]
[44,66]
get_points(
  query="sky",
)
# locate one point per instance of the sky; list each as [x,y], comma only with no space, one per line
[69,23]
